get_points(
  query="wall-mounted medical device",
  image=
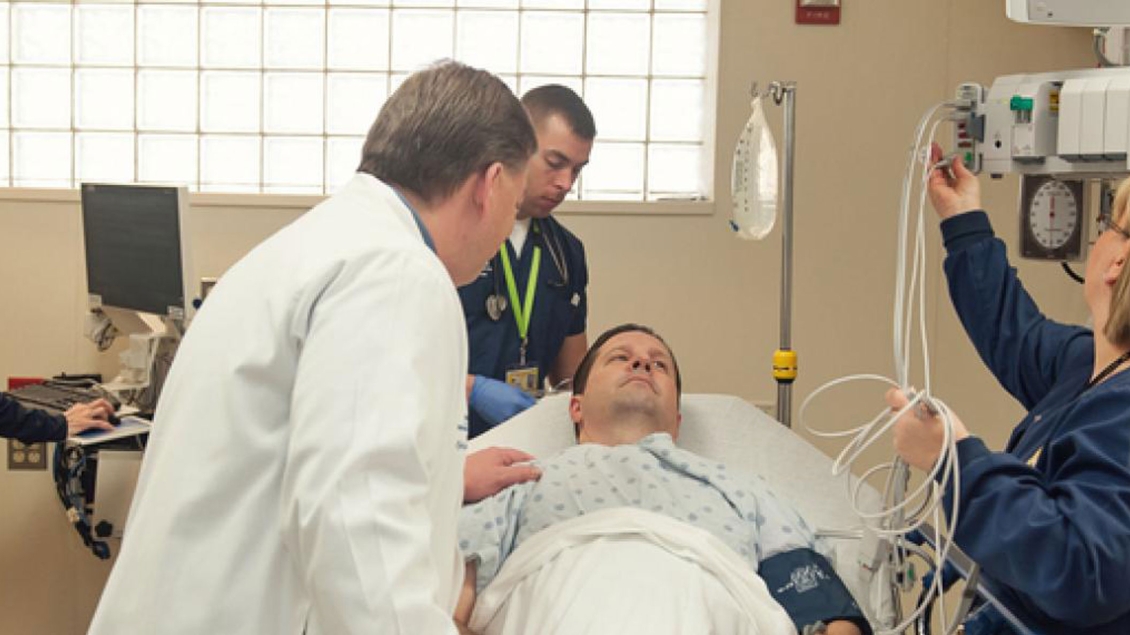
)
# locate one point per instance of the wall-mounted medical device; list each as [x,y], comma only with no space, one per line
[1070,12]
[1059,131]
[1052,214]
[1065,123]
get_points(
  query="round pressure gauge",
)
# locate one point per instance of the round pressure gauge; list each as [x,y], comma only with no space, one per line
[1051,214]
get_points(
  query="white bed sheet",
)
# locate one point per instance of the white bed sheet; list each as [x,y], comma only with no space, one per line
[621,571]
[731,430]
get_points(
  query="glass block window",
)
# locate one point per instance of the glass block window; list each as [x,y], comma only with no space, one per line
[277,96]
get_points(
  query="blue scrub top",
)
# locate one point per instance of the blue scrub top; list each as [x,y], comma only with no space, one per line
[1049,519]
[559,311]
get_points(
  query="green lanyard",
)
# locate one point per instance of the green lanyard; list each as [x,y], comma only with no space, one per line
[522,314]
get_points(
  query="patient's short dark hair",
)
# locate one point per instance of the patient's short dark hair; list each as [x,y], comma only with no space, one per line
[581,377]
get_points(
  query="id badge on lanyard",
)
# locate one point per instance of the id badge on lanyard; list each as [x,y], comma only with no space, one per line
[524,374]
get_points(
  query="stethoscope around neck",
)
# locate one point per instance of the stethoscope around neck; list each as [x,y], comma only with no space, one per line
[496,303]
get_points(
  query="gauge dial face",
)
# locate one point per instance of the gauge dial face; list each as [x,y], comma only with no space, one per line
[1053,214]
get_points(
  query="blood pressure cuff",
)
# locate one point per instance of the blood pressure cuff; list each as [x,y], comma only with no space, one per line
[806,585]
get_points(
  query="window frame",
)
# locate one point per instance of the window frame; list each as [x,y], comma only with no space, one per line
[677,205]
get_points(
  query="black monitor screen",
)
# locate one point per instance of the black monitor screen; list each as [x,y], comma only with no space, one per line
[133,247]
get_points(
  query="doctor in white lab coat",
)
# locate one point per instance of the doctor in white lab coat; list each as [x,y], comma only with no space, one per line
[304,473]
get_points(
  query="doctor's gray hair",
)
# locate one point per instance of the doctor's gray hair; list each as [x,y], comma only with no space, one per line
[1117,328]
[443,125]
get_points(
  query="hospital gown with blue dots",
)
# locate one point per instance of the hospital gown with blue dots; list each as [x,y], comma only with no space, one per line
[656,476]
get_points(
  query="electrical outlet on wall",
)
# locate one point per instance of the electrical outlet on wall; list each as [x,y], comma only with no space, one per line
[26,456]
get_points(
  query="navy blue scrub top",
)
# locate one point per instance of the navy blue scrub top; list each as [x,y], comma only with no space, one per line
[559,310]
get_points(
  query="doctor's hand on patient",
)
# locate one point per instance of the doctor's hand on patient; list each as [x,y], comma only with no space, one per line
[488,472]
[918,433]
[496,401]
[952,196]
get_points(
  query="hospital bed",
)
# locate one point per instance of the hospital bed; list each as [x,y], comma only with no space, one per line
[732,431]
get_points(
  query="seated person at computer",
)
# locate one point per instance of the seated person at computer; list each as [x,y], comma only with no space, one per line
[31,425]
[625,406]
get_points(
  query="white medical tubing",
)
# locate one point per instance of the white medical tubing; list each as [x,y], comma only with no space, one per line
[923,503]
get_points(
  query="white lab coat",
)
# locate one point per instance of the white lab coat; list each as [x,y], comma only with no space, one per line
[305,465]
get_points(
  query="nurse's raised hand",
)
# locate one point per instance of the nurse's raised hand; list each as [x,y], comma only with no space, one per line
[953,189]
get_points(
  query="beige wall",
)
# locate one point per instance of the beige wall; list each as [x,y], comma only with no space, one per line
[862,87]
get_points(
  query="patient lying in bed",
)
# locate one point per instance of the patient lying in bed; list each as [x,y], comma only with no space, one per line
[628,533]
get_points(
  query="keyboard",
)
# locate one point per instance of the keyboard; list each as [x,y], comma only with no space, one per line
[53,397]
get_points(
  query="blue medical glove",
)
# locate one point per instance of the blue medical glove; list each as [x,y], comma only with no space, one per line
[496,401]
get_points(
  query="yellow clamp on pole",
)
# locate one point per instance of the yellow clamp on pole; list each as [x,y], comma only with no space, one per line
[784,366]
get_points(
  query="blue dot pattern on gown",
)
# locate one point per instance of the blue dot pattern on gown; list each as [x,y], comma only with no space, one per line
[652,474]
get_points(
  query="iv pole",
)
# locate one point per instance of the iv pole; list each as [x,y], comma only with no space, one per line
[784,358]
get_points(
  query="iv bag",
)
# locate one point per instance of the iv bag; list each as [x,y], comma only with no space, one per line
[753,182]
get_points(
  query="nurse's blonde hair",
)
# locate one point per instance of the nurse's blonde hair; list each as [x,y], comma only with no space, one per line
[1117,329]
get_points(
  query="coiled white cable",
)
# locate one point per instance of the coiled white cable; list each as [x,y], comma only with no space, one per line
[901,517]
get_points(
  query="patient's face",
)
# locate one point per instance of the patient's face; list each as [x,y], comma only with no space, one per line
[631,392]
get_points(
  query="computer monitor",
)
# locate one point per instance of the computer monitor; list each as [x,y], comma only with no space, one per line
[136,251]
[139,276]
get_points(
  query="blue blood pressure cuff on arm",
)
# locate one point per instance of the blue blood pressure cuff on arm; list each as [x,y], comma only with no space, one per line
[806,585]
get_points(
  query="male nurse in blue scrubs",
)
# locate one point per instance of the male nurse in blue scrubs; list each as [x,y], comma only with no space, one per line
[526,311]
